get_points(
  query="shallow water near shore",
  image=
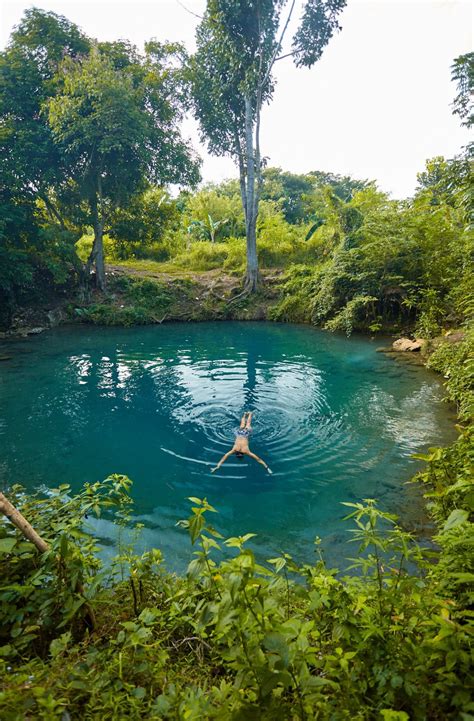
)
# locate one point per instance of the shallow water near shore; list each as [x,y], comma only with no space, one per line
[335,421]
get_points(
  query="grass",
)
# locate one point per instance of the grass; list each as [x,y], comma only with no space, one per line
[151,266]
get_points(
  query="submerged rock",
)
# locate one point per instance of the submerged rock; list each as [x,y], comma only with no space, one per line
[406,344]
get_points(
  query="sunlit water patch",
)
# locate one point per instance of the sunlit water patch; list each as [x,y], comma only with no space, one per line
[335,420]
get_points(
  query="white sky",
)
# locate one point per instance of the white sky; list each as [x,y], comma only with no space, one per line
[376,105]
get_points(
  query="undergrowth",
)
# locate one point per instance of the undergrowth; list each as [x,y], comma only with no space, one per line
[137,301]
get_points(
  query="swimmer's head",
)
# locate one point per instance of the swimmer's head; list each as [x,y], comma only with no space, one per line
[239,454]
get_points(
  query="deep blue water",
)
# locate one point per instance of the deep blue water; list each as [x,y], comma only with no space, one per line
[335,420]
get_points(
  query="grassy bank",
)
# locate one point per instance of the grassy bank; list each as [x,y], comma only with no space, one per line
[145,292]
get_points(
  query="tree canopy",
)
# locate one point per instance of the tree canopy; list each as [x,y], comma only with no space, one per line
[85,126]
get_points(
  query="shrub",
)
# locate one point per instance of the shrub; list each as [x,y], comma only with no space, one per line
[296,291]
[355,314]
[455,361]
[84,247]
[202,255]
[234,639]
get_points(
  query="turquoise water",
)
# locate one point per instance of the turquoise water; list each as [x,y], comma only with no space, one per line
[335,420]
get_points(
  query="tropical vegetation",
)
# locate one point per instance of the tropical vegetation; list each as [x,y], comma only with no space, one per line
[95,173]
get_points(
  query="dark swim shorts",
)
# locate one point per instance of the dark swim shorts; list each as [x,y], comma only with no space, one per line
[244,432]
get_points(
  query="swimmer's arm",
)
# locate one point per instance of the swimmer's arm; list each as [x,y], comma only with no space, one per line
[223,460]
[259,460]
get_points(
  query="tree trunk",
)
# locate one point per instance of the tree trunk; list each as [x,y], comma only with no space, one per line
[242,174]
[99,258]
[251,206]
[97,253]
[251,274]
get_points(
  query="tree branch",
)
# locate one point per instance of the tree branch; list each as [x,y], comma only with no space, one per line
[287,55]
[279,44]
[189,11]
[22,524]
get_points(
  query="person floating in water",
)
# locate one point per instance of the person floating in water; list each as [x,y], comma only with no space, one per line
[241,445]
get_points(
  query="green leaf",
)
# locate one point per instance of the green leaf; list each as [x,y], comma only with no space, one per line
[272,680]
[148,616]
[7,544]
[455,518]
[275,643]
[390,715]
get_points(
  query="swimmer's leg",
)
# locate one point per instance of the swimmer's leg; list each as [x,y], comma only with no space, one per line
[249,421]
[243,420]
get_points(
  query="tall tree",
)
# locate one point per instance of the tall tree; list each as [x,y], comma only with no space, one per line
[36,244]
[238,44]
[116,121]
[32,164]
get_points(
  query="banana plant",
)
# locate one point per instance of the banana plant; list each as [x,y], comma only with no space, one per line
[206,229]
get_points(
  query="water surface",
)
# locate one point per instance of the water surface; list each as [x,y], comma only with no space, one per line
[335,420]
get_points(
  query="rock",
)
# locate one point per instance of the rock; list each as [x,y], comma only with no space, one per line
[34,331]
[455,336]
[55,317]
[405,344]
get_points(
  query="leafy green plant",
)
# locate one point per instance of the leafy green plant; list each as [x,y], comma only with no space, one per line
[42,596]
[237,638]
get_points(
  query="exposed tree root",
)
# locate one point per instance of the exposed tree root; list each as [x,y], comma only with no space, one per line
[244,294]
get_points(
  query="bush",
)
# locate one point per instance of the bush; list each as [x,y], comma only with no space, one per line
[233,639]
[202,255]
[84,247]
[296,291]
[355,314]
[455,361]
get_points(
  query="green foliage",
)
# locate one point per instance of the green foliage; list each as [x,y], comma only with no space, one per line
[411,261]
[139,229]
[86,126]
[241,639]
[36,246]
[450,478]
[232,77]
[356,312]
[455,361]
[204,256]
[296,293]
[211,215]
[294,191]
[463,74]
[449,475]
[137,301]
[43,596]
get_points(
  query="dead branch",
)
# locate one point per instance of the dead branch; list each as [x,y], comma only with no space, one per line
[20,522]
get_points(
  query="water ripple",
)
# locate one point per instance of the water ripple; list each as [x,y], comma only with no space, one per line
[333,419]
